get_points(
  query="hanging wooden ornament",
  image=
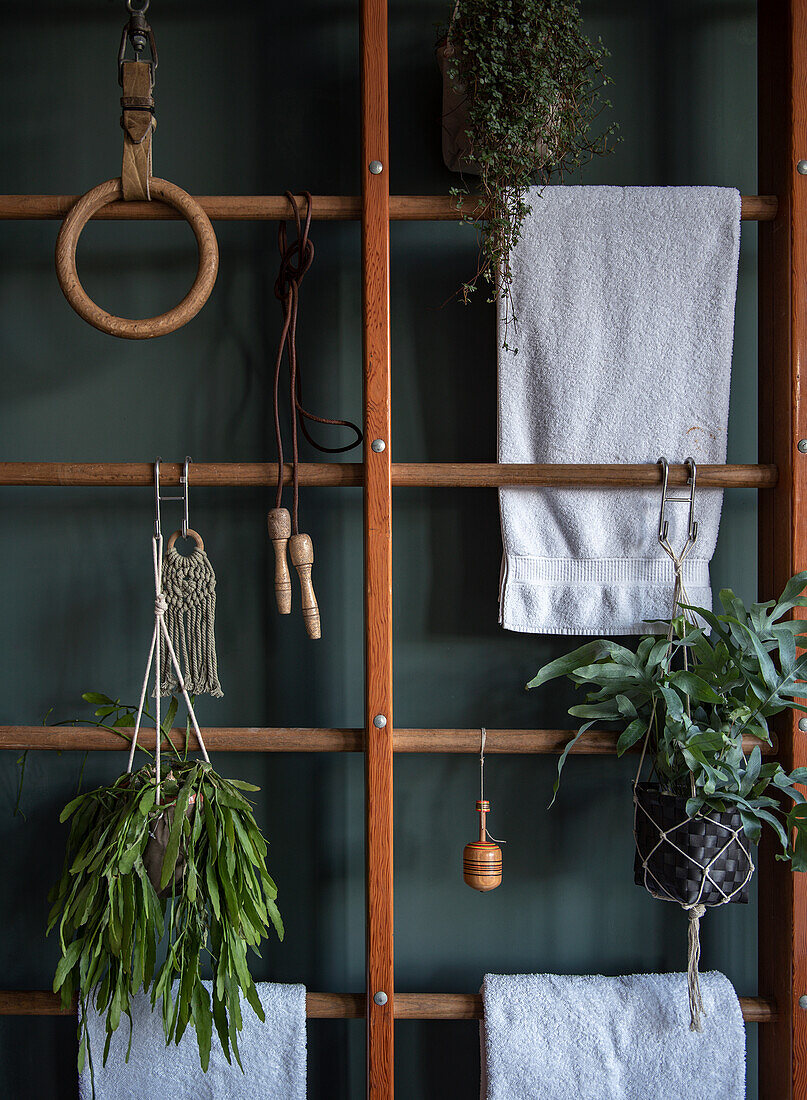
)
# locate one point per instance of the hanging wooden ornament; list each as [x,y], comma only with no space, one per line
[189,588]
[482,859]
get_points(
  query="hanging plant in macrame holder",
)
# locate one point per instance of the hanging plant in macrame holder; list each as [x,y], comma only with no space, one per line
[695,861]
[189,587]
[698,862]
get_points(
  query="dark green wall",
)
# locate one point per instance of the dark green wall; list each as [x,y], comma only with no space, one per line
[75,582]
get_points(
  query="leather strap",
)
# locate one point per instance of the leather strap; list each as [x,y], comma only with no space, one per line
[138,124]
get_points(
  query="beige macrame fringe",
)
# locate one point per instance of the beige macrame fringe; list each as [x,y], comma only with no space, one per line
[189,587]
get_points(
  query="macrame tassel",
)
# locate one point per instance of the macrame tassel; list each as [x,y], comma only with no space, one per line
[189,587]
[696,1009]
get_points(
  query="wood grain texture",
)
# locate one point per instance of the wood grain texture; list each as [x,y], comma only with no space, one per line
[459,475]
[298,739]
[125,327]
[374,52]
[278,522]
[275,207]
[301,552]
[348,1006]
[782,75]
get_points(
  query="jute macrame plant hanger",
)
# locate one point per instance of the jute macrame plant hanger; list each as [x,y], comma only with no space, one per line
[189,591]
[697,862]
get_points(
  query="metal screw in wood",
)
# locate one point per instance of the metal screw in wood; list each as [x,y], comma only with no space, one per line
[129,328]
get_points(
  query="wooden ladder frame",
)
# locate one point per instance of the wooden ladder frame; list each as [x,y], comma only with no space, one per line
[781,208]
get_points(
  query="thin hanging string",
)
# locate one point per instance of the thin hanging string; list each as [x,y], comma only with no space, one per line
[482,783]
[696,910]
[679,596]
[295,260]
[160,629]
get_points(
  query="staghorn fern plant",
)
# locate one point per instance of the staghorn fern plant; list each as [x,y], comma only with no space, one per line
[694,696]
[180,869]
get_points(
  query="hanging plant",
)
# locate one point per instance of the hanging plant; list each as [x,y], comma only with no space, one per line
[691,698]
[179,866]
[523,90]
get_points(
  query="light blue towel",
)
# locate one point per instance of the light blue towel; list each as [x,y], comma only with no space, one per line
[273,1055]
[552,1037]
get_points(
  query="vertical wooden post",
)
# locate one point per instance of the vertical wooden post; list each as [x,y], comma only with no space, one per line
[782,129]
[377,546]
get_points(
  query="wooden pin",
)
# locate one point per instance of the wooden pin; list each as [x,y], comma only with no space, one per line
[301,550]
[279,523]
[482,860]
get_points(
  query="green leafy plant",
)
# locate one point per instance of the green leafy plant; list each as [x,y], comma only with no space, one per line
[178,869]
[694,696]
[534,86]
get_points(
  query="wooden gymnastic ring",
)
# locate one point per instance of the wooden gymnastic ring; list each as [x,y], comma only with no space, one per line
[127,328]
[189,534]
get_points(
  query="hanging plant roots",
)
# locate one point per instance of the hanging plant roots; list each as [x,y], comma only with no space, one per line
[185,868]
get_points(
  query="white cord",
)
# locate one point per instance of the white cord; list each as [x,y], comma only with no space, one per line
[154,656]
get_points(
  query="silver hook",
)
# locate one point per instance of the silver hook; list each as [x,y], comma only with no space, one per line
[663,523]
[185,494]
[158,497]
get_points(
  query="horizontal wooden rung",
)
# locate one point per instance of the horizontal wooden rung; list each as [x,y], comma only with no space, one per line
[272,207]
[350,1006]
[457,475]
[297,739]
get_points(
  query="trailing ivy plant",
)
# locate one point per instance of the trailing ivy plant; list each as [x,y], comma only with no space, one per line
[534,86]
[179,870]
[695,696]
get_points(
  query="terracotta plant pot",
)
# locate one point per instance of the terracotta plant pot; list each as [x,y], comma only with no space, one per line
[703,860]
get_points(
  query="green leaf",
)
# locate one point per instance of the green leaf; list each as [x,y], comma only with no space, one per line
[695,687]
[172,847]
[630,735]
[96,698]
[67,962]
[71,808]
[562,666]
[562,759]
[791,596]
[203,1023]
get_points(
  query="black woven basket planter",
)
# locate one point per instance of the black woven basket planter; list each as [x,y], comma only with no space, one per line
[703,860]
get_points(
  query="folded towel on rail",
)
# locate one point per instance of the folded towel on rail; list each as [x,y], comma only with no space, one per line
[624,300]
[549,1037]
[273,1055]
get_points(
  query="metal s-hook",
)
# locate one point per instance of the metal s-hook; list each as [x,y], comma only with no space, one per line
[663,523]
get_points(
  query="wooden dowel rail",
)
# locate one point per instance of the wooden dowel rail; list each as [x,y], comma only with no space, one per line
[761,208]
[257,739]
[350,1006]
[459,475]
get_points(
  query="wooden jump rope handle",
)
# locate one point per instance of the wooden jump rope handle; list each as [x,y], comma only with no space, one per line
[301,550]
[279,524]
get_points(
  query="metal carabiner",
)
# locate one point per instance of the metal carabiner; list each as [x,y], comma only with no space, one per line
[158,497]
[663,523]
[184,481]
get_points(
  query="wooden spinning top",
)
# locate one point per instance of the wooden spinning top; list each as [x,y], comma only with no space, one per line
[482,859]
